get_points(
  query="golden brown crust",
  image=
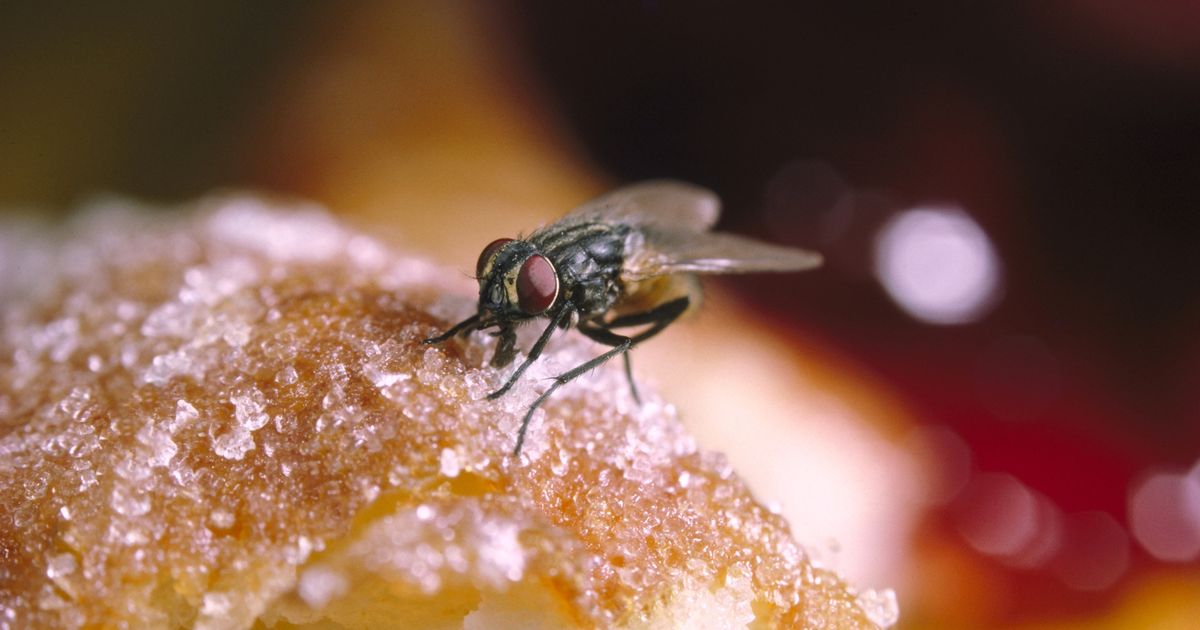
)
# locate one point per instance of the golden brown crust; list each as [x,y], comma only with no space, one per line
[226,416]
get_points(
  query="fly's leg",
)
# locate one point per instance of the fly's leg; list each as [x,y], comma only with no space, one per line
[660,316]
[629,377]
[465,326]
[563,379]
[668,310]
[506,348]
[536,351]
[609,338]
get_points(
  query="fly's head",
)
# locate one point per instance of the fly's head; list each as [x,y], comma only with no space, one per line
[515,282]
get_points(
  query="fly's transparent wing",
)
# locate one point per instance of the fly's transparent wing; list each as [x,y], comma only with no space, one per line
[672,251]
[671,220]
[671,205]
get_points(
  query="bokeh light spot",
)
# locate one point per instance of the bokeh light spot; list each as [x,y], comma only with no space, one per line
[998,515]
[1047,540]
[808,203]
[948,461]
[938,265]
[1164,514]
[1095,552]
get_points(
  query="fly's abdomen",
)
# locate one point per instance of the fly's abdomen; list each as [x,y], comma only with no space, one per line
[588,258]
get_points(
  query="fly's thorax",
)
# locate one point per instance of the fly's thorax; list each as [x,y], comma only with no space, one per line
[589,257]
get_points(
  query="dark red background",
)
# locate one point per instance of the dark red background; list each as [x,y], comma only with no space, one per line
[1070,131]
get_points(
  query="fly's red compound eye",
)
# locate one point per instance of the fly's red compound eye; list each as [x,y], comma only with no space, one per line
[487,254]
[537,285]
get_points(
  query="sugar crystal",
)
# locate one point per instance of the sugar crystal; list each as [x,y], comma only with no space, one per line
[158,440]
[216,605]
[221,518]
[880,606]
[129,501]
[685,479]
[286,376]
[248,410]
[320,585]
[450,465]
[233,443]
[132,469]
[60,565]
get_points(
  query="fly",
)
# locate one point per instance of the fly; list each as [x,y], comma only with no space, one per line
[624,260]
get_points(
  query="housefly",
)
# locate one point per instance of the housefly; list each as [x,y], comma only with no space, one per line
[627,259]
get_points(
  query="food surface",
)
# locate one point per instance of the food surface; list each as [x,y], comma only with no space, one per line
[224,414]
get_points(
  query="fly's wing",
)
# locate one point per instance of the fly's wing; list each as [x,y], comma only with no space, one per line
[662,203]
[671,220]
[673,251]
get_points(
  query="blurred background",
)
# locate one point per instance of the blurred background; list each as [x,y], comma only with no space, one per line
[1007,195]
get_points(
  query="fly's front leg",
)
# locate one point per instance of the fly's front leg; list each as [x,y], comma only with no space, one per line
[465,326]
[506,348]
[563,312]
[660,316]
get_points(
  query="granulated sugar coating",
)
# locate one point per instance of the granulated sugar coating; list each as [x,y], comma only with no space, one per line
[225,414]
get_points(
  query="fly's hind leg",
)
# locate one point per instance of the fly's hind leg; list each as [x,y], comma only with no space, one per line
[609,338]
[660,316]
[563,379]
[629,377]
